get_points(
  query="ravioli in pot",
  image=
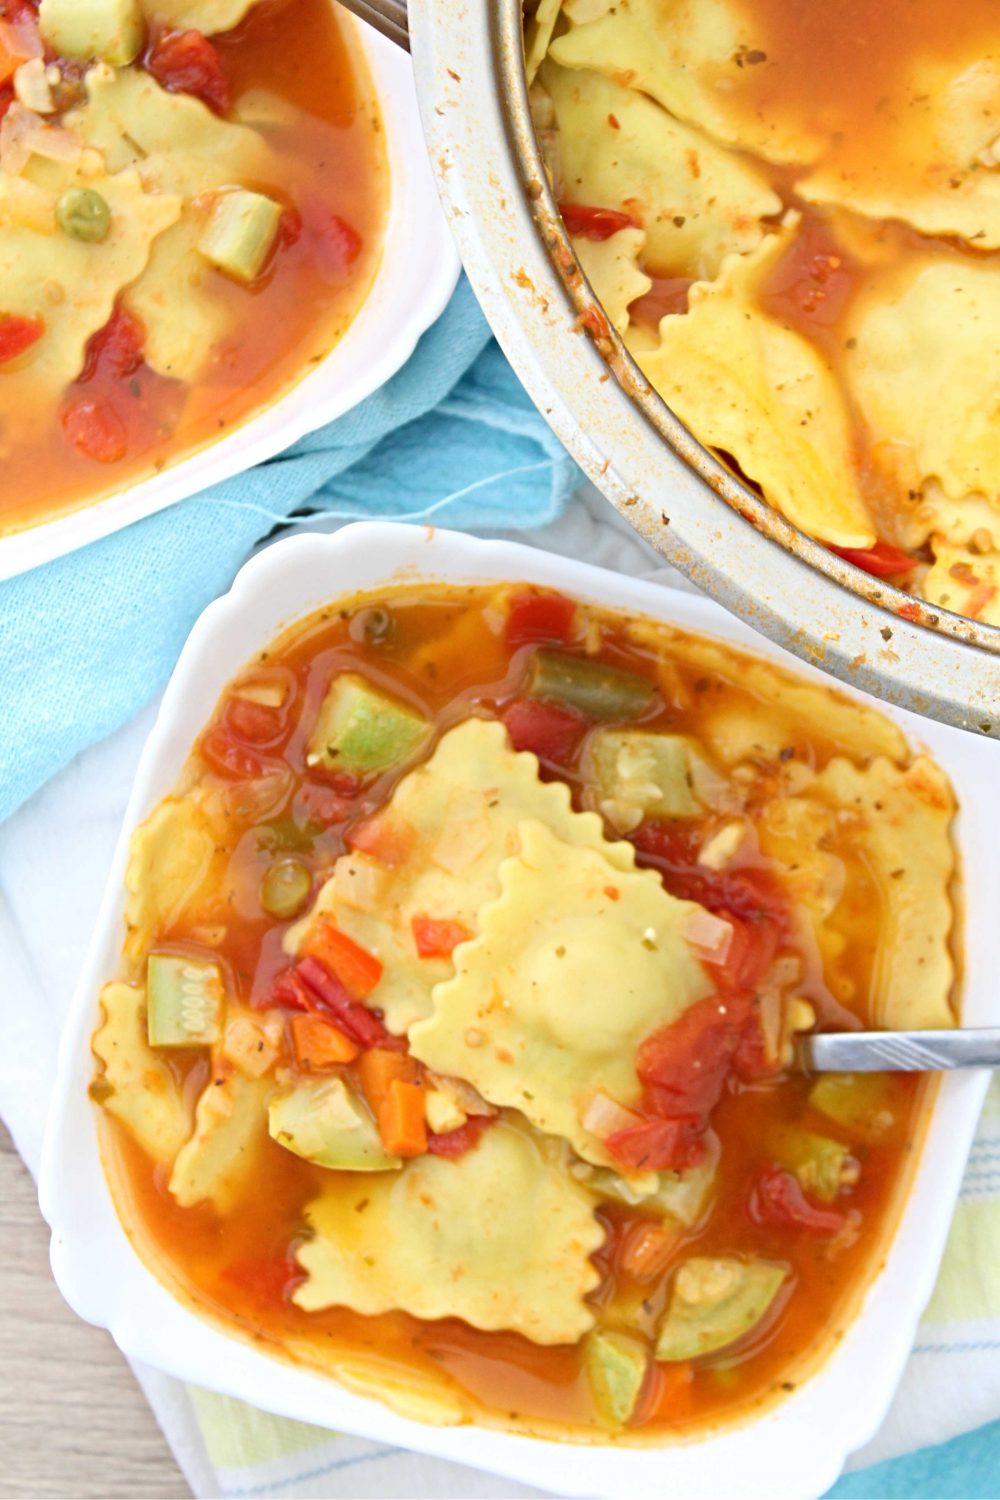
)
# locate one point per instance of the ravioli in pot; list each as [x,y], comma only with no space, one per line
[459,988]
[792,216]
[192,195]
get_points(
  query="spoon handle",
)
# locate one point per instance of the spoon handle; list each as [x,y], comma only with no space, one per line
[899,1051]
[387,16]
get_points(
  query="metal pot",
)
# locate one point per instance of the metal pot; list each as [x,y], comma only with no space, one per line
[470,79]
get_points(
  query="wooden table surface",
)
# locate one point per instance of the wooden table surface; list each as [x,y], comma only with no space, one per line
[72,1419]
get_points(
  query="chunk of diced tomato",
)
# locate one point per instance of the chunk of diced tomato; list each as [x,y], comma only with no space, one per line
[551,732]
[777,1198]
[539,619]
[186,62]
[336,245]
[384,837]
[287,989]
[438,937]
[455,1143]
[257,723]
[658,1145]
[116,349]
[358,971]
[94,428]
[18,334]
[684,1066]
[227,757]
[582,219]
[883,560]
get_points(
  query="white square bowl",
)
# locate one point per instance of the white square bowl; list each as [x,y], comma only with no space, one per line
[793,1450]
[417,273]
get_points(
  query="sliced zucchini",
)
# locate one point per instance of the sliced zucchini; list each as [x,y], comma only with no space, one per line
[860,1102]
[822,1165]
[601,692]
[715,1301]
[361,730]
[616,1368]
[637,774]
[110,31]
[240,232]
[322,1121]
[185,1000]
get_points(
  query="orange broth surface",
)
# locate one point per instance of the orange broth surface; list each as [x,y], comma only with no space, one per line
[446,651]
[333,185]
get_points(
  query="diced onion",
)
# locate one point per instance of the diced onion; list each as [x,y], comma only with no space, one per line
[709,936]
[604,1116]
[358,882]
[464,1095]
[24,134]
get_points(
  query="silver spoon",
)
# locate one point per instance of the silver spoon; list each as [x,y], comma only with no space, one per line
[387,16]
[898,1051]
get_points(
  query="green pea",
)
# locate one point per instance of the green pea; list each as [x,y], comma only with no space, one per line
[285,888]
[84,215]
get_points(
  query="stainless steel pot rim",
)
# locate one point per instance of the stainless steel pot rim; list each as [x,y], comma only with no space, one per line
[474,104]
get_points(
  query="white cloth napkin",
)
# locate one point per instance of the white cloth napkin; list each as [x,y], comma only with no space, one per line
[53,857]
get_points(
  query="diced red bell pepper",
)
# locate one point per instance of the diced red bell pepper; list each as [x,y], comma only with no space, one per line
[325,994]
[94,428]
[882,561]
[777,1198]
[227,757]
[322,805]
[551,732]
[438,937]
[17,334]
[287,989]
[539,619]
[659,1145]
[455,1143]
[594,223]
[185,62]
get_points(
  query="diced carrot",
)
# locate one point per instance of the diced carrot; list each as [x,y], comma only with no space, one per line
[319,1045]
[359,972]
[438,937]
[379,1067]
[401,1120]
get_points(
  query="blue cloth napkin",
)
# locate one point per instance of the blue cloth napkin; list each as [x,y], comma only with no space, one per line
[967,1468]
[88,639]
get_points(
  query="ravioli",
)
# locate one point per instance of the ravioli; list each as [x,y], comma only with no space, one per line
[538,35]
[575,964]
[755,389]
[695,201]
[501,1238]
[137,1085]
[901,819]
[941,176]
[172,862]
[206,16]
[459,814]
[965,582]
[940,313]
[69,284]
[230,1128]
[612,268]
[179,147]
[688,56]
